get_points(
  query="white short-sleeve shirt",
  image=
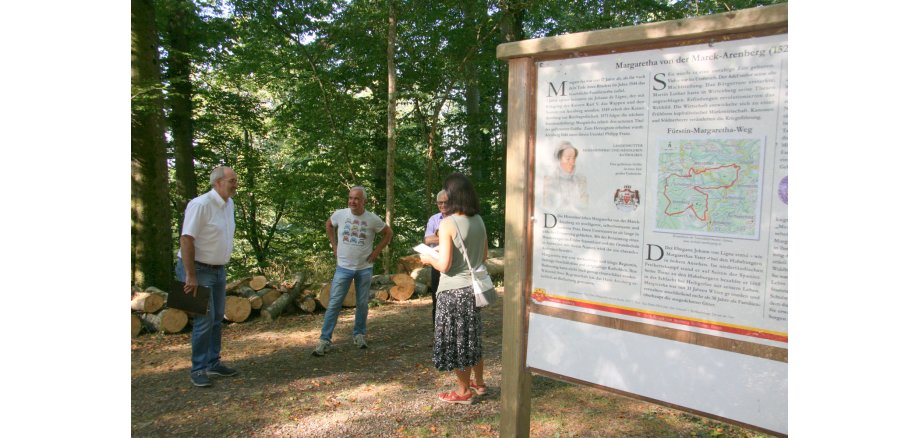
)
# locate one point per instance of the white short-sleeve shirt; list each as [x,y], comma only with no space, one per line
[209,220]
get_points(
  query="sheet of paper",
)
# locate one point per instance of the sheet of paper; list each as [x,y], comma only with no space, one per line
[427,250]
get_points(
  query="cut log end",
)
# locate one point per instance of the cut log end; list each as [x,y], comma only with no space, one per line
[258,282]
[237,309]
[405,287]
[166,321]
[148,302]
[323,297]
[136,325]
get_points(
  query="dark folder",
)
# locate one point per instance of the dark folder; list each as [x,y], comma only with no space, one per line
[195,304]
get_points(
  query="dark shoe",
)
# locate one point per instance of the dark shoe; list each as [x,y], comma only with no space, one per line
[322,348]
[200,379]
[223,371]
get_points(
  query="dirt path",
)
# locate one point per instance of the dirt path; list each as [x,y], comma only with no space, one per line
[387,390]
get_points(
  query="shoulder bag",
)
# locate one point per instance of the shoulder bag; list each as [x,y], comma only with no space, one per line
[483,289]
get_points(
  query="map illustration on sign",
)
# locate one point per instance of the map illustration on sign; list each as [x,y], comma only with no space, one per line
[710,187]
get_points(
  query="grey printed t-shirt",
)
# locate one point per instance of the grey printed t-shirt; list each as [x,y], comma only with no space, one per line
[356,237]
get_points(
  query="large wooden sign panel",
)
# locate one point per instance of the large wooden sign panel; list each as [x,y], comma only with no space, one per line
[659,231]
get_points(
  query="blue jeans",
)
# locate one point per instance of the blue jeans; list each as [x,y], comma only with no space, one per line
[206,328]
[340,282]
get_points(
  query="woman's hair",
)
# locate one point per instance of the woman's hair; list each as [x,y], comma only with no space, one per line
[461,196]
[562,147]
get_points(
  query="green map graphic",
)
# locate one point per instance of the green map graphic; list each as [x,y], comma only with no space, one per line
[710,187]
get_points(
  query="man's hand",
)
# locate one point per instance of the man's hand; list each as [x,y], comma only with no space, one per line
[432,239]
[191,284]
[373,256]
[187,247]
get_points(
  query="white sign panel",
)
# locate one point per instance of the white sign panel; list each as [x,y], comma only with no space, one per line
[661,194]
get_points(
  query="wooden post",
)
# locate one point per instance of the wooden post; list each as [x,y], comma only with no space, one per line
[515,418]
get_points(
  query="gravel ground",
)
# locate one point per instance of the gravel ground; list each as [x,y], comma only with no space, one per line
[389,389]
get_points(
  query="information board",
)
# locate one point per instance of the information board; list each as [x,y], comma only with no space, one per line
[660,193]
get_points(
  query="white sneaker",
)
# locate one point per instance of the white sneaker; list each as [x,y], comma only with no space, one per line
[360,342]
[322,348]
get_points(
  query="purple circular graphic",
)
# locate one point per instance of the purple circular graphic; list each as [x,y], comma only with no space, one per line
[784,190]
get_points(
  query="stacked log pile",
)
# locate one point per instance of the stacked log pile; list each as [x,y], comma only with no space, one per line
[148,313]
[249,296]
[421,274]
[256,295]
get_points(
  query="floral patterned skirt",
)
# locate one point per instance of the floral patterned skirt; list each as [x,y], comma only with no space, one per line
[457,330]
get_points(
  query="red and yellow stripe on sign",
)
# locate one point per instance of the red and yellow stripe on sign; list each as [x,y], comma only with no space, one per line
[540,296]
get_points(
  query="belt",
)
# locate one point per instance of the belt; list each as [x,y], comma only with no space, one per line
[208,266]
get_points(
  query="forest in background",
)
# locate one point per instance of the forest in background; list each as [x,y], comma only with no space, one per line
[304,99]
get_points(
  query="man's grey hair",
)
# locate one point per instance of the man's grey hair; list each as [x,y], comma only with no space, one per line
[360,189]
[218,173]
[442,192]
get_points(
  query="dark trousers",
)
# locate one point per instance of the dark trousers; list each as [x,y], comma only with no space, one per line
[435,280]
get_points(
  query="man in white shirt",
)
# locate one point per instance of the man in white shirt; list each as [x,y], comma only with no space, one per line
[205,246]
[351,232]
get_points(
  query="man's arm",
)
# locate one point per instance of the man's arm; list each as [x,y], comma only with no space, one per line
[431,233]
[333,240]
[387,235]
[187,248]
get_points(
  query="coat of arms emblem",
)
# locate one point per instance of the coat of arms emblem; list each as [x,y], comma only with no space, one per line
[626,199]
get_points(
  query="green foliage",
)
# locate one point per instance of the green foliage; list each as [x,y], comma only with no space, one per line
[293,96]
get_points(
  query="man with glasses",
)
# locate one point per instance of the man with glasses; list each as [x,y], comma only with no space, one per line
[205,245]
[431,239]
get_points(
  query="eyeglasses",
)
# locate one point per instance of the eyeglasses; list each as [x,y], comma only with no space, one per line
[442,203]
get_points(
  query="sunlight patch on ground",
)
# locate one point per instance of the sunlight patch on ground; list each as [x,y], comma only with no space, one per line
[340,413]
[156,366]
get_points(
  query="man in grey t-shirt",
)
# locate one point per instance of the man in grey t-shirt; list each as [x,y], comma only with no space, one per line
[351,232]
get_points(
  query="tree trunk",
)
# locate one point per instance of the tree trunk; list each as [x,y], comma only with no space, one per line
[473,131]
[272,311]
[181,108]
[151,213]
[237,309]
[391,127]
[167,321]
[249,204]
[381,294]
